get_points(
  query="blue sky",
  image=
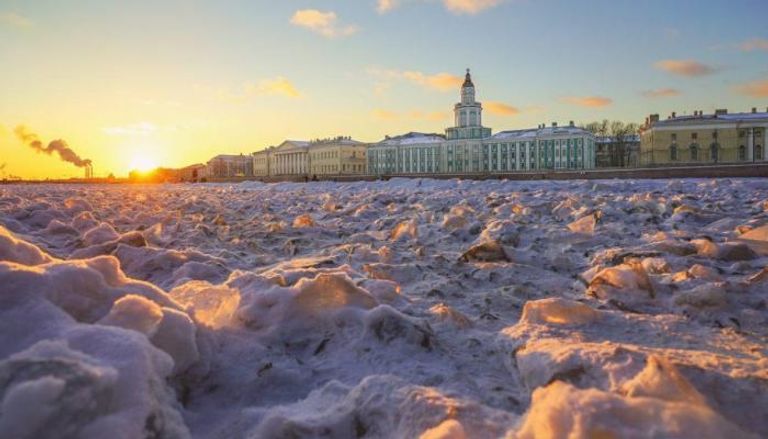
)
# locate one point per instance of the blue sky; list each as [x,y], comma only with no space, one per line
[182,80]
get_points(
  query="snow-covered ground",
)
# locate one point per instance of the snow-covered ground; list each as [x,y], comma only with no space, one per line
[408,308]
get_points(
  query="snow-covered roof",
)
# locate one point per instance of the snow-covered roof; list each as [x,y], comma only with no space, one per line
[538,132]
[730,117]
[412,138]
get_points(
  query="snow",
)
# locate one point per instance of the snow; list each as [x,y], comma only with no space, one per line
[408,308]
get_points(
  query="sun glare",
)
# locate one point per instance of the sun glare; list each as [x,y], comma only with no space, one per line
[143,164]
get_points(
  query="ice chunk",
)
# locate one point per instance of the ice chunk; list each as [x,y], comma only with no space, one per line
[100,234]
[406,230]
[134,312]
[584,225]
[16,250]
[558,312]
[448,429]
[211,305]
[303,221]
[660,379]
[490,251]
[561,411]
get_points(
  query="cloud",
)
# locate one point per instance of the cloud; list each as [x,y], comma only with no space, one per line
[429,116]
[588,101]
[15,20]
[661,93]
[755,89]
[137,129]
[469,6]
[439,81]
[754,44]
[278,86]
[384,6]
[323,23]
[685,67]
[501,109]
[454,6]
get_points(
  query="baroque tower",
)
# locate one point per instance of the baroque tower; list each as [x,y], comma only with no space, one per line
[468,115]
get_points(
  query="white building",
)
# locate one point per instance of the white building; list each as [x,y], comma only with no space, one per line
[289,158]
[469,147]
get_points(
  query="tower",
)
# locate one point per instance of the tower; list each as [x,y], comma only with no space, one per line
[468,115]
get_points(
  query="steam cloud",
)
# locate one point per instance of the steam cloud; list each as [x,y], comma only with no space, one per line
[58,146]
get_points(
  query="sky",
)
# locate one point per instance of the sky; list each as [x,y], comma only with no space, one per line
[175,82]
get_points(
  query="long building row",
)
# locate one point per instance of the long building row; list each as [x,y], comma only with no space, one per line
[470,147]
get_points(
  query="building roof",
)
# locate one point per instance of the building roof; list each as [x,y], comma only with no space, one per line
[412,138]
[535,132]
[728,117]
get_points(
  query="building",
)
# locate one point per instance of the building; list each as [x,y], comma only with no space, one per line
[192,173]
[705,138]
[613,152]
[469,147]
[230,165]
[261,162]
[289,158]
[337,156]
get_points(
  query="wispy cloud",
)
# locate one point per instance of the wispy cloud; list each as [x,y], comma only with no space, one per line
[661,93]
[439,81]
[685,67]
[755,89]
[15,20]
[588,101]
[324,23]
[469,6]
[501,109]
[278,86]
[455,6]
[412,115]
[135,129]
[754,44]
[384,6]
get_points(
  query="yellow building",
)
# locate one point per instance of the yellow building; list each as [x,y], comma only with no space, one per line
[705,138]
[337,156]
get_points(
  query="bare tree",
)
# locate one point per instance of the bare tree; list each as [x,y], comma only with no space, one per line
[620,134]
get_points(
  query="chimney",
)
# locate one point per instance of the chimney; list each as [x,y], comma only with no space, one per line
[721,111]
[754,110]
[654,118]
[554,124]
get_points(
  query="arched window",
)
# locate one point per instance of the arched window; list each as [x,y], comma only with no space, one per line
[742,153]
[713,152]
[694,149]
[673,152]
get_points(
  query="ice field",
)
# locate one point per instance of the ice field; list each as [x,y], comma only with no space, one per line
[398,309]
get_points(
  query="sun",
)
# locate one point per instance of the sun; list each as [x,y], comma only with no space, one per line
[143,163]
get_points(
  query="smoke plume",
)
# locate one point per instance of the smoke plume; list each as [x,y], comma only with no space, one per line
[58,146]
[3,166]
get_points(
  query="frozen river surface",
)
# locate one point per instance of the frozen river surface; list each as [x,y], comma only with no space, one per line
[400,309]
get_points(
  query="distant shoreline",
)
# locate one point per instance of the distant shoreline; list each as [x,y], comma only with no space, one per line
[752,170]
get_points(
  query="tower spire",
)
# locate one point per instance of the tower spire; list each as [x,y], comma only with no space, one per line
[468,80]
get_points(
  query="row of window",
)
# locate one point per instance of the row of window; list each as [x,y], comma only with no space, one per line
[714,152]
[742,133]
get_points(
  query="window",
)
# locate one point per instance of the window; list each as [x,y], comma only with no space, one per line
[742,153]
[674,137]
[758,152]
[673,152]
[742,133]
[714,134]
[694,149]
[713,152]
[694,136]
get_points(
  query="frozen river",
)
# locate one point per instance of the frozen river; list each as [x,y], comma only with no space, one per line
[399,309]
